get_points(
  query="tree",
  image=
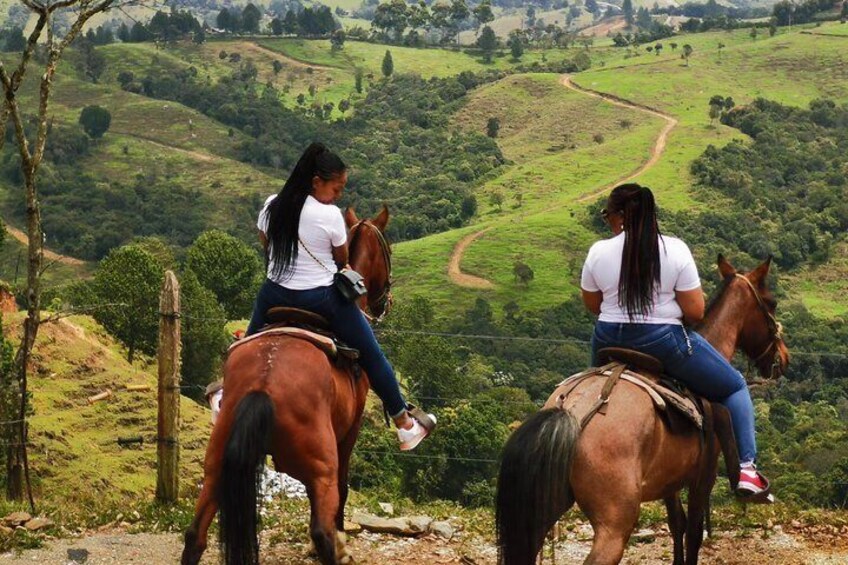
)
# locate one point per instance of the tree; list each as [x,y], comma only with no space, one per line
[228,267]
[493,126]
[715,113]
[687,52]
[459,12]
[673,46]
[199,37]
[753,33]
[358,81]
[124,32]
[95,120]
[128,281]
[277,66]
[139,33]
[516,46]
[344,105]
[773,26]
[93,62]
[496,199]
[277,26]
[392,16]
[290,23]
[204,339]
[224,20]
[250,18]
[592,6]
[627,8]
[487,42]
[15,40]
[388,65]
[523,273]
[483,13]
[31,144]
[720,47]
[658,48]
[337,40]
[530,16]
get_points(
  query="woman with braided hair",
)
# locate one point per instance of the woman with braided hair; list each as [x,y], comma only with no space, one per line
[645,288]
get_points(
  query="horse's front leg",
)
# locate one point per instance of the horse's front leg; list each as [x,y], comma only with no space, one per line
[676,525]
[343,554]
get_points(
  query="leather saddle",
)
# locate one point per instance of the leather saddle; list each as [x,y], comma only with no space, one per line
[305,325]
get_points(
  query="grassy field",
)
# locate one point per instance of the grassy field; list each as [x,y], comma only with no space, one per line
[546,231]
[75,457]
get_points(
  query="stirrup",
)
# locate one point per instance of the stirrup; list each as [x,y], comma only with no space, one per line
[763,497]
[423,418]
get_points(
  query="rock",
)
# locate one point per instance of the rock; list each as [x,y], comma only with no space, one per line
[442,529]
[644,536]
[17,519]
[38,523]
[584,532]
[397,526]
[78,555]
[387,508]
[6,531]
[352,528]
[420,524]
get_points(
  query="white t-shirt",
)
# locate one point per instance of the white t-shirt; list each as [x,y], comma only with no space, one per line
[602,270]
[322,227]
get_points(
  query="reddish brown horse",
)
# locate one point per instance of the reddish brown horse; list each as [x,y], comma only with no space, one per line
[285,398]
[629,455]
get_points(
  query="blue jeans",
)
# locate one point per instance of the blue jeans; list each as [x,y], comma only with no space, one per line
[349,325]
[695,363]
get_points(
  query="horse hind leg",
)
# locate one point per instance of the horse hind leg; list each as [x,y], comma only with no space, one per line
[676,525]
[324,502]
[613,516]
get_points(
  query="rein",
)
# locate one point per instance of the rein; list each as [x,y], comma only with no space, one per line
[774,326]
[385,299]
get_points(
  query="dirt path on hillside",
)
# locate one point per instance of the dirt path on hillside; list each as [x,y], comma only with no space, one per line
[196,155]
[470,281]
[454,270]
[291,61]
[727,548]
[656,151]
[49,255]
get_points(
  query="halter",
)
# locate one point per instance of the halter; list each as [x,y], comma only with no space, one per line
[775,327]
[385,299]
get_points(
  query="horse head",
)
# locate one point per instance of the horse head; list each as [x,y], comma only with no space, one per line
[371,256]
[761,337]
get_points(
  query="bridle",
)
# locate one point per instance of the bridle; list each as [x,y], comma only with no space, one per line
[385,299]
[775,327]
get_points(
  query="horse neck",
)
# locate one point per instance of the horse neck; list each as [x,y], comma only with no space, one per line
[722,326]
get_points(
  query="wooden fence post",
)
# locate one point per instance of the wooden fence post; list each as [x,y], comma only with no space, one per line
[168,452]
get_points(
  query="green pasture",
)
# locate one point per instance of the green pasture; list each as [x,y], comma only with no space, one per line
[545,230]
[75,457]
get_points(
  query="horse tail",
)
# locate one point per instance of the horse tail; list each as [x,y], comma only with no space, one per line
[244,454]
[533,484]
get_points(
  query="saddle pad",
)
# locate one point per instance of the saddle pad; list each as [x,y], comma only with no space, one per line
[571,392]
[324,343]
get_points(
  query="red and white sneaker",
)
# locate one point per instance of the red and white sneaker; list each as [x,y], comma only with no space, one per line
[751,482]
[409,439]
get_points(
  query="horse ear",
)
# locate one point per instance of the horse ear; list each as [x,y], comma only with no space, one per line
[725,268]
[758,275]
[382,219]
[350,218]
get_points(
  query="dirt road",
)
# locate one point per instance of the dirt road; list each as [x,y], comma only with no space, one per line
[470,281]
[727,548]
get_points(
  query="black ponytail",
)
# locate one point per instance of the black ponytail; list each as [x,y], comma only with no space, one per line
[284,211]
[640,261]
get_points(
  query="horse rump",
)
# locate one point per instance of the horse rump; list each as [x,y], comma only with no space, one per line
[244,455]
[533,484]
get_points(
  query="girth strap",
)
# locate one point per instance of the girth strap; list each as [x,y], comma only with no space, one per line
[603,398]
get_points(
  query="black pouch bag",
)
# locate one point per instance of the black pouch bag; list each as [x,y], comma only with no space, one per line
[350,284]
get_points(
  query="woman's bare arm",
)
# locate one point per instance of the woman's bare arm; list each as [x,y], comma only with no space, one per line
[340,256]
[692,303]
[592,301]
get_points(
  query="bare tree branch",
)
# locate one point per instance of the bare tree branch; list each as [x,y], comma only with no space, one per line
[18,75]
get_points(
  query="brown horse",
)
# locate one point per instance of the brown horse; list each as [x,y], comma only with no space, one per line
[285,398]
[629,455]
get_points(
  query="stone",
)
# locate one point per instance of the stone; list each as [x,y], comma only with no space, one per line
[38,523]
[352,527]
[387,508]
[442,529]
[644,536]
[420,524]
[6,531]
[17,519]
[398,526]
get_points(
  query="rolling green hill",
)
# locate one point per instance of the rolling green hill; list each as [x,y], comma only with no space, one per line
[75,457]
[546,232]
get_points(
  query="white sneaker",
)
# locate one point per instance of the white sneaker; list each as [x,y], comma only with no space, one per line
[409,439]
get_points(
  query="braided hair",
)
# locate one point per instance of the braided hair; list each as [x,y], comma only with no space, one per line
[284,211]
[640,260]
